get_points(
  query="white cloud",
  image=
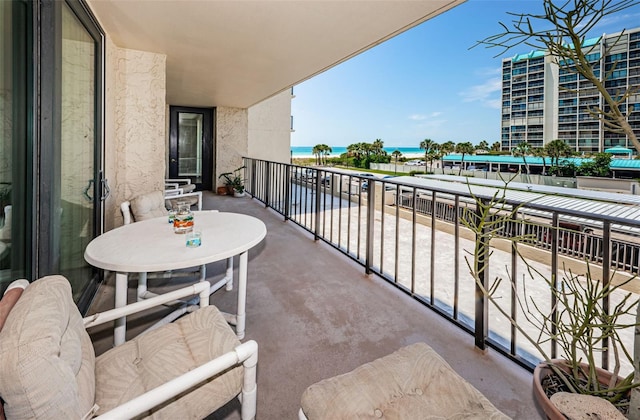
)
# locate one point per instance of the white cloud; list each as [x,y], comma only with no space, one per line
[484,93]
[423,117]
[615,23]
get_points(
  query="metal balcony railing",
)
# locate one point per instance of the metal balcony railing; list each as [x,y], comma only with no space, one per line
[415,238]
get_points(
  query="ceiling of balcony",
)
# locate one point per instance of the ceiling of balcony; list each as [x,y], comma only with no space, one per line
[238,53]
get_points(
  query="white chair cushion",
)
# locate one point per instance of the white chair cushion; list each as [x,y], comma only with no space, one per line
[411,383]
[47,356]
[191,200]
[148,206]
[151,359]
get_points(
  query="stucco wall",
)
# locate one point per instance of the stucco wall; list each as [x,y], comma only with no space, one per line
[270,129]
[134,126]
[231,140]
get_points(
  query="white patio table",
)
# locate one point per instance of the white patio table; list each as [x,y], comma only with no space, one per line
[151,246]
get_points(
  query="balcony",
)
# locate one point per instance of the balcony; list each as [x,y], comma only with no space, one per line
[321,307]
[315,313]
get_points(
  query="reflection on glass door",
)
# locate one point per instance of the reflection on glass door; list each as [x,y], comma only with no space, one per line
[14,182]
[77,136]
[190,145]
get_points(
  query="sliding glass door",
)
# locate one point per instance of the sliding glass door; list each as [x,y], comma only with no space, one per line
[77,180]
[15,140]
[50,141]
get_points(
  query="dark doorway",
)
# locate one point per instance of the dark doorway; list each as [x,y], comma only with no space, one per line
[191,145]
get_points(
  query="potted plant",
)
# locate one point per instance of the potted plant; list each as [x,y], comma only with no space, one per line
[234,182]
[578,321]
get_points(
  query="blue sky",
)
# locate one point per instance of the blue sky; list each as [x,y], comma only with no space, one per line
[424,83]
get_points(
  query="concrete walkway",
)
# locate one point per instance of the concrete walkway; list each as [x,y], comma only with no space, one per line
[315,314]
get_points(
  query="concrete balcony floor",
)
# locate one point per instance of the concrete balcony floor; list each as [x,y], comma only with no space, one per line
[316,314]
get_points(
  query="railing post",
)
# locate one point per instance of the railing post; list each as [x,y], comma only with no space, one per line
[254,187]
[287,192]
[555,225]
[267,184]
[514,231]
[456,257]
[606,277]
[316,229]
[481,306]
[432,268]
[371,217]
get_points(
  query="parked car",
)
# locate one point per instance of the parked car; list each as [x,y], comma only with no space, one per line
[365,184]
[415,163]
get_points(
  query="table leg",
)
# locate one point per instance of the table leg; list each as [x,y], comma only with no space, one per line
[142,287]
[229,274]
[242,294]
[120,324]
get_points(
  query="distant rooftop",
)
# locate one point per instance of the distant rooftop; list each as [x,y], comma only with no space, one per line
[626,164]
[527,56]
[591,195]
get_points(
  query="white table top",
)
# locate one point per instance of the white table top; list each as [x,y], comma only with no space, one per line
[151,245]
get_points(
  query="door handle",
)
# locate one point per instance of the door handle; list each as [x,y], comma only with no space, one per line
[85,192]
[173,160]
[106,191]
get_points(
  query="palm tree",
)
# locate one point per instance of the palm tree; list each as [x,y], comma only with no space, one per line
[317,151]
[426,145]
[354,150]
[541,153]
[396,155]
[464,148]
[326,151]
[496,146]
[446,148]
[557,149]
[522,150]
[434,154]
[377,147]
[482,146]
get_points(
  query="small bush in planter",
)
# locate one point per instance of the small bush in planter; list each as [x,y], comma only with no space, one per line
[579,322]
[233,180]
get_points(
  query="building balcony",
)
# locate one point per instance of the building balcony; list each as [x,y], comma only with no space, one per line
[315,313]
[353,268]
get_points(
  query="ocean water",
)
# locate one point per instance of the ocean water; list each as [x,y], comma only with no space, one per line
[306,151]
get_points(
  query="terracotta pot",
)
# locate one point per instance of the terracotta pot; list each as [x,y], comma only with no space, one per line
[221,190]
[542,371]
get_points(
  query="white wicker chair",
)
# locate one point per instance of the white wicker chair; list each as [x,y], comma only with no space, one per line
[184,183]
[175,195]
[187,369]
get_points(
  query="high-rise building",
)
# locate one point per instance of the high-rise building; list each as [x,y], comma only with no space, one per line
[542,101]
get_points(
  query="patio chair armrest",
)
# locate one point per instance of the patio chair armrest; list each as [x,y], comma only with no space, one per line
[200,288]
[246,354]
[178,180]
[190,194]
[174,192]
